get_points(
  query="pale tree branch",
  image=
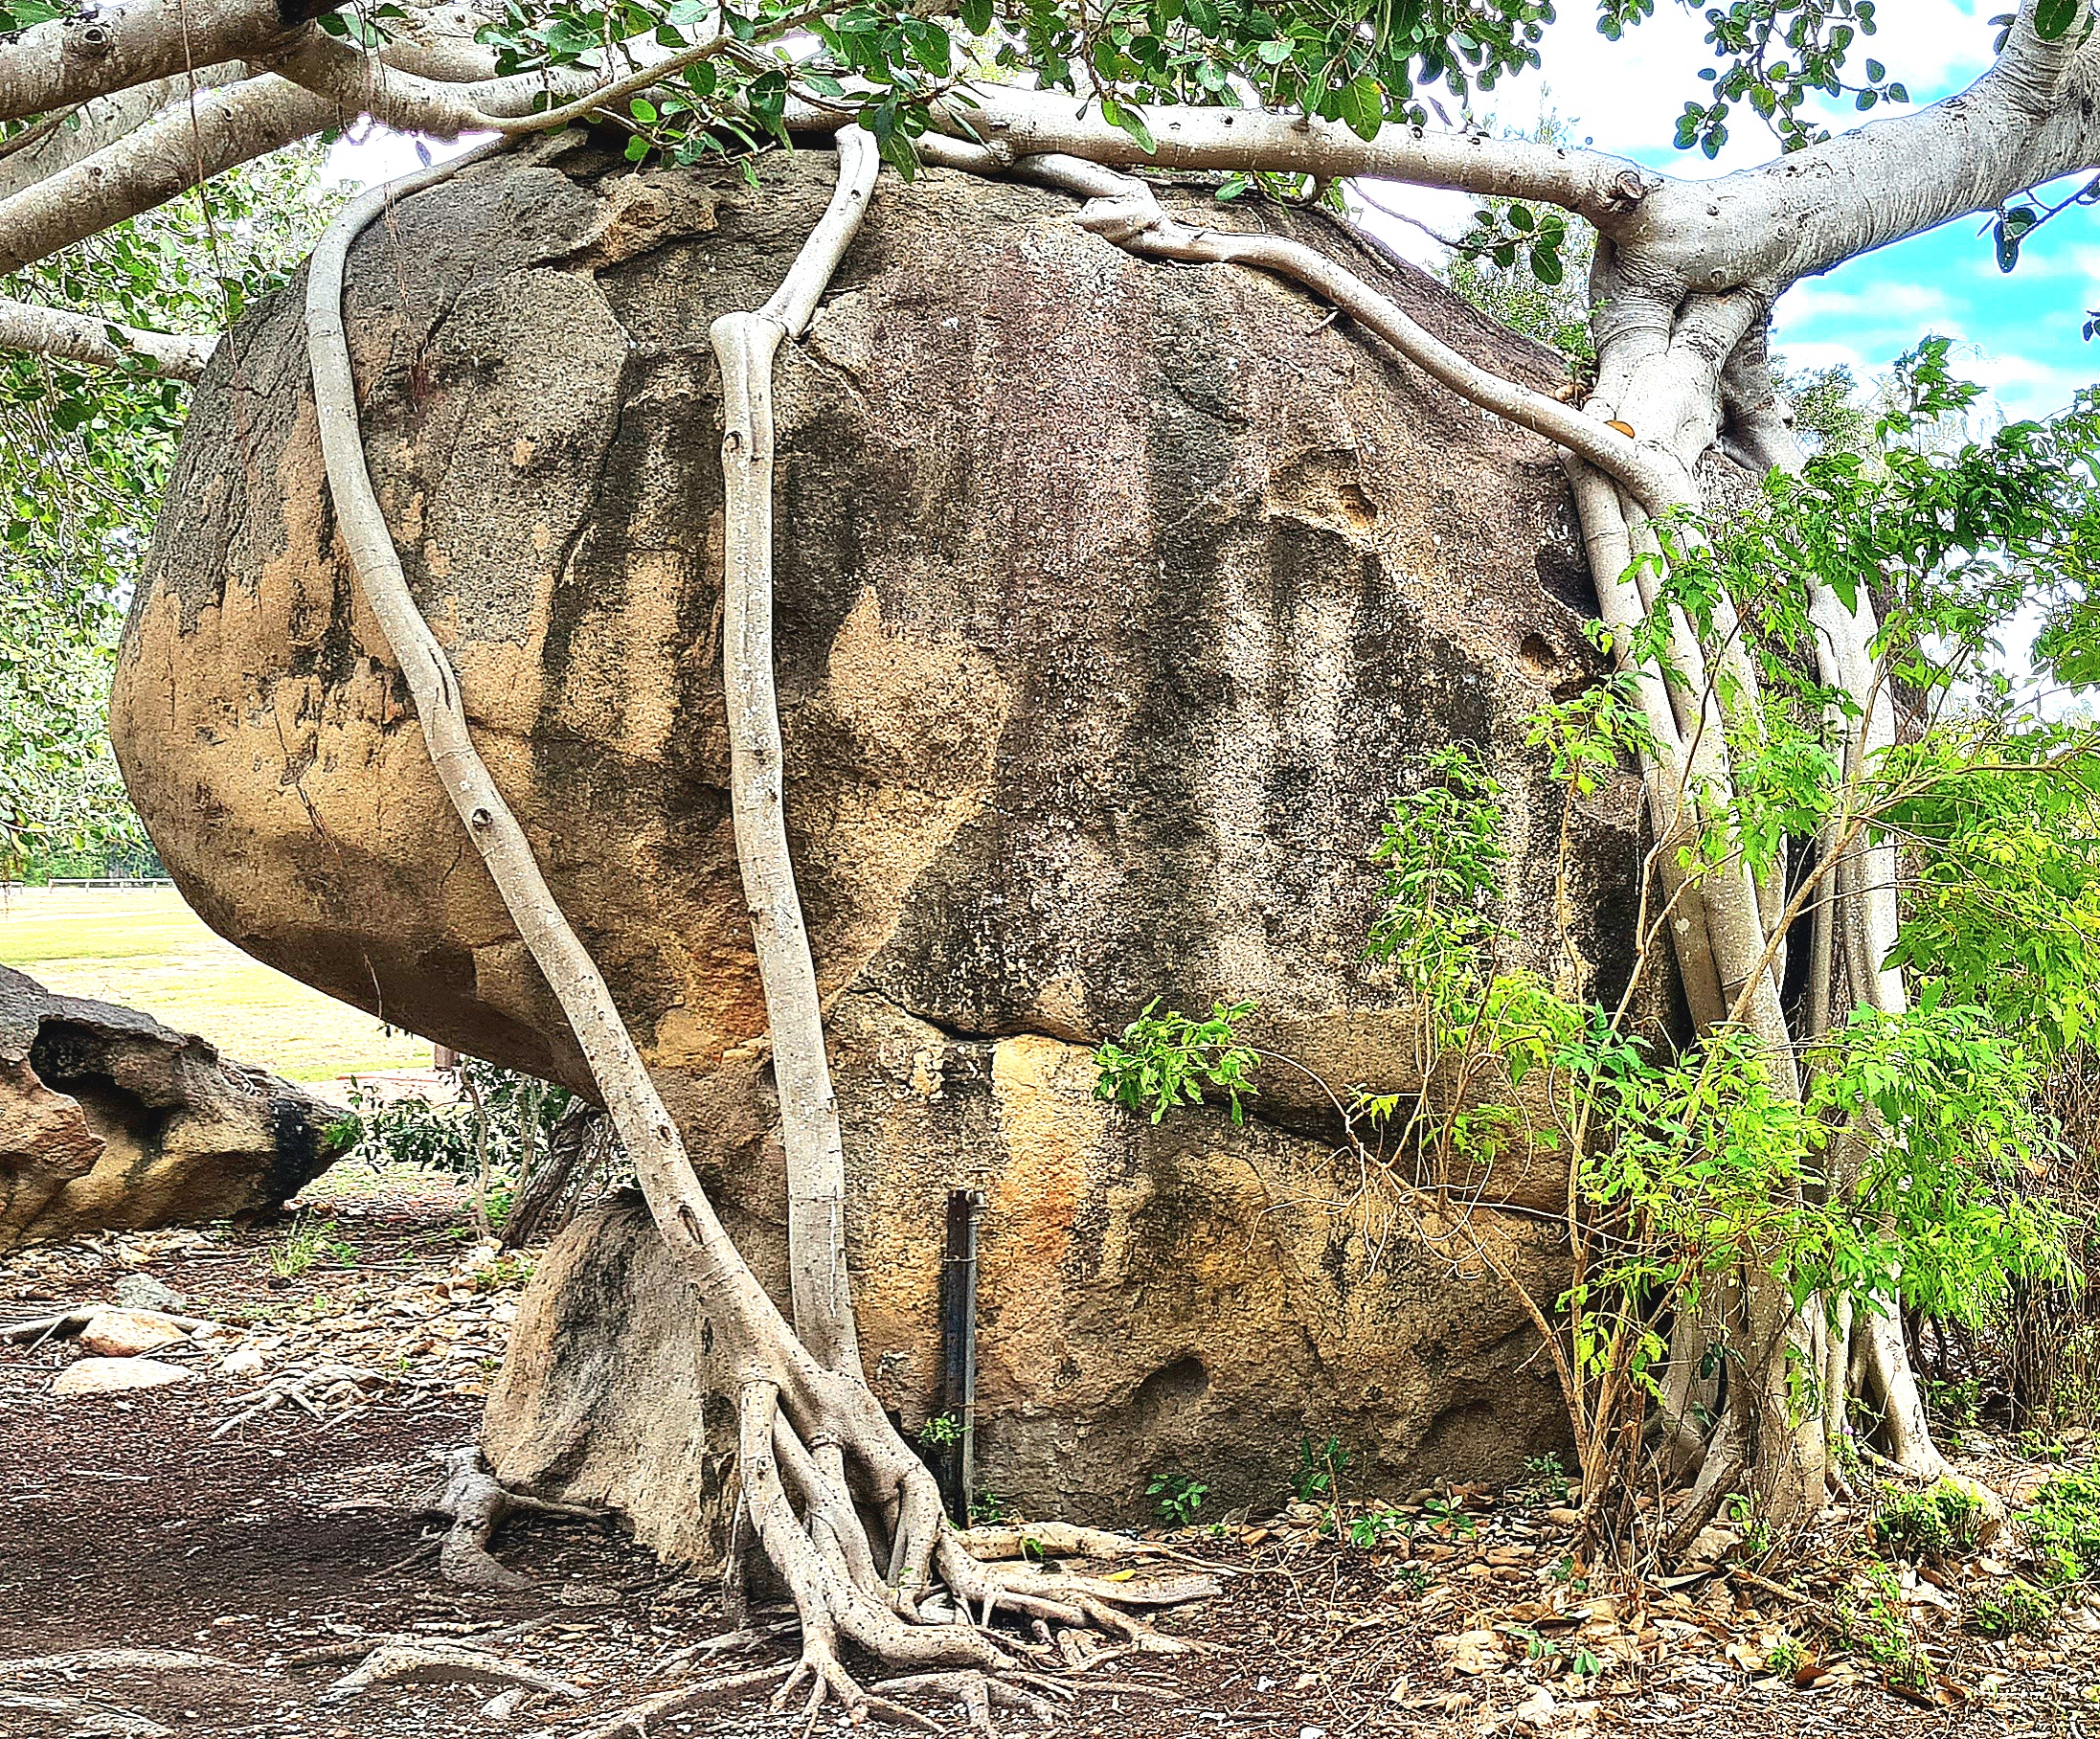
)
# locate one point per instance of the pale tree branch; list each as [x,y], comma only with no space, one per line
[86,338]
[363,84]
[2033,118]
[1017,123]
[110,48]
[103,121]
[182,146]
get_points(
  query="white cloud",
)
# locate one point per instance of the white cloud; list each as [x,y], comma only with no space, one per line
[1883,300]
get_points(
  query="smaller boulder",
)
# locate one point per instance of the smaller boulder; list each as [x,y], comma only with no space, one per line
[125,1334]
[112,1376]
[243,1362]
[110,1120]
[143,1292]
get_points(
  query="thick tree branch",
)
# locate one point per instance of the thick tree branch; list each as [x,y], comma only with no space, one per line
[104,49]
[101,123]
[361,83]
[86,338]
[1017,123]
[2034,117]
[177,150]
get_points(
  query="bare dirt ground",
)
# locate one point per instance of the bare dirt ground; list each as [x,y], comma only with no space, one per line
[275,1555]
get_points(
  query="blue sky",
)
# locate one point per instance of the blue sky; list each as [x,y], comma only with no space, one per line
[2018,333]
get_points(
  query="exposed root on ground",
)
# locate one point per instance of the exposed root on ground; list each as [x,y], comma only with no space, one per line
[445,1663]
[476,1505]
[311,1391]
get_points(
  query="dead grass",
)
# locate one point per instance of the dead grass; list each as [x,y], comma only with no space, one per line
[147,949]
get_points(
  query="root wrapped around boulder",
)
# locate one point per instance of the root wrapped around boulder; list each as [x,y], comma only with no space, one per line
[110,1120]
[1113,600]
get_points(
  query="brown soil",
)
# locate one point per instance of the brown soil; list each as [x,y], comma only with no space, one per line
[125,1524]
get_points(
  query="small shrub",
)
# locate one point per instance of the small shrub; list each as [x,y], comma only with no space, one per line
[305,1244]
[1378,1527]
[2018,1609]
[1179,1496]
[1544,1480]
[1319,1469]
[1941,1521]
[1443,1513]
[502,1273]
[940,1430]
[1872,1621]
[2063,1526]
[1786,1656]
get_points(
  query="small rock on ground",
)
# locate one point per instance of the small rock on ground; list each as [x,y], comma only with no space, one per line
[143,1292]
[110,1376]
[125,1334]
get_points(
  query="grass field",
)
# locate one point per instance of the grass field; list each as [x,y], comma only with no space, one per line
[144,948]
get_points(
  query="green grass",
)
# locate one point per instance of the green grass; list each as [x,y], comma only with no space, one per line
[144,948]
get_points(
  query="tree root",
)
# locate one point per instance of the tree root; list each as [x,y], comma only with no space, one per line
[337,1382]
[476,1503]
[426,1663]
[99,1718]
[636,1717]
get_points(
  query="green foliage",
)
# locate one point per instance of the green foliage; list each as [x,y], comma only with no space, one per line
[308,1242]
[1527,268]
[509,1271]
[1786,1656]
[83,459]
[1443,856]
[2061,1526]
[1872,1621]
[1162,1061]
[2016,1608]
[1939,1522]
[1545,1478]
[940,1430]
[1377,1527]
[1320,1466]
[1776,55]
[412,1130]
[1179,1496]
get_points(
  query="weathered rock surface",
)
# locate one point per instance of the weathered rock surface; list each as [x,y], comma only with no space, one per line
[1113,602]
[109,1119]
[116,1376]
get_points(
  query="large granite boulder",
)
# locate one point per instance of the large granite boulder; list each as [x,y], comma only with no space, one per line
[1114,600]
[110,1120]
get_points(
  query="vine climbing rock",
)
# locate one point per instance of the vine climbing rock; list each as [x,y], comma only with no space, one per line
[1114,602]
[110,1120]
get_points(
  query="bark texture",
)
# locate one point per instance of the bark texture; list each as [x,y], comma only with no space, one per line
[109,1119]
[1100,644]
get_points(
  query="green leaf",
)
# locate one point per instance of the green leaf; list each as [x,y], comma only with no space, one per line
[2052,19]
[1131,120]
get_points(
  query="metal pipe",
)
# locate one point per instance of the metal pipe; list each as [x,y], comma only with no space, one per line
[958,1349]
